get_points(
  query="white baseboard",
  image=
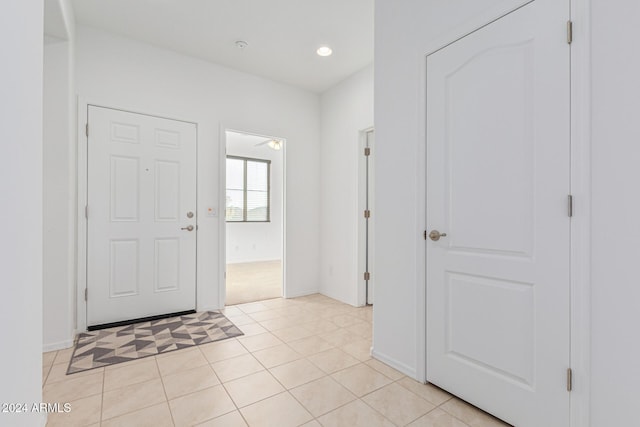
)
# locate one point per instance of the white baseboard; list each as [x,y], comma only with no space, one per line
[398,366]
[303,293]
[60,345]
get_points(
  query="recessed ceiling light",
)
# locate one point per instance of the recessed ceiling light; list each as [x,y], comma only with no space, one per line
[324,51]
[241,44]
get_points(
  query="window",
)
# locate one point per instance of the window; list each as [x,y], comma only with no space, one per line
[248,188]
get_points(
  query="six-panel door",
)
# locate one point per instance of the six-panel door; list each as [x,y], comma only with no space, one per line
[141,258]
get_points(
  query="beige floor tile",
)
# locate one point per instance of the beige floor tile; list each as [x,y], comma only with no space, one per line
[296,373]
[355,414]
[48,358]
[398,404]
[433,394]
[259,342]
[322,395]
[252,307]
[237,367]
[359,348]
[45,374]
[253,388]
[153,416]
[275,324]
[275,303]
[333,360]
[231,311]
[275,356]
[241,320]
[281,410]
[344,320]
[292,333]
[222,350]
[83,413]
[385,369]
[251,329]
[232,419]
[294,311]
[312,423]
[201,406]
[339,337]
[437,418]
[320,326]
[310,345]
[132,398]
[265,315]
[361,379]
[470,414]
[59,373]
[186,382]
[73,388]
[180,361]
[132,374]
[363,330]
[63,356]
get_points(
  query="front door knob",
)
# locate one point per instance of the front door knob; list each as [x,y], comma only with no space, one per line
[189,228]
[435,235]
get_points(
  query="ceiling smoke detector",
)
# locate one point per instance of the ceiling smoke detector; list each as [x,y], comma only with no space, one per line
[241,44]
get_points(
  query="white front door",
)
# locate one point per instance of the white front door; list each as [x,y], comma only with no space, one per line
[141,258]
[498,182]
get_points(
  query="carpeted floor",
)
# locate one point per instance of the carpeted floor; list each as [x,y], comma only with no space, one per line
[123,343]
[253,281]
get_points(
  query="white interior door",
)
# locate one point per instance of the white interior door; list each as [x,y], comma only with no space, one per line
[141,258]
[497,185]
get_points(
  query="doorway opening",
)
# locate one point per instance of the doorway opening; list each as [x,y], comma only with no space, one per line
[254,217]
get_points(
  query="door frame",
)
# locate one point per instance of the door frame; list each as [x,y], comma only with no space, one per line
[82,195]
[580,165]
[222,201]
[362,142]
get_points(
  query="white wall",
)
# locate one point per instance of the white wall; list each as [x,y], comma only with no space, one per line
[346,110]
[59,179]
[122,73]
[21,49]
[405,32]
[615,353]
[258,241]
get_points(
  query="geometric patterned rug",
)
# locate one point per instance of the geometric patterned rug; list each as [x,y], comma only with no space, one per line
[123,343]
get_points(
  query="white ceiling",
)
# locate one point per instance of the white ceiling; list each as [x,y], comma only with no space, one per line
[283,35]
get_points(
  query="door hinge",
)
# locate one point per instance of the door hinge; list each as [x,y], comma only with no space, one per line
[569,379]
[570,205]
[367,151]
[86,129]
[569,32]
[367,275]
[367,213]
[86,293]
[86,211]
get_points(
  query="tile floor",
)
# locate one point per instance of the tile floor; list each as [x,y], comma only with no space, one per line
[302,362]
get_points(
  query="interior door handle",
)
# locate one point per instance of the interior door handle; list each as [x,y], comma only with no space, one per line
[188,228]
[435,235]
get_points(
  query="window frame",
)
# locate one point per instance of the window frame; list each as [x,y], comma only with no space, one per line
[244,189]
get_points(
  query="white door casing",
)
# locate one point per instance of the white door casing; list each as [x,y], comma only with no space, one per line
[498,177]
[141,190]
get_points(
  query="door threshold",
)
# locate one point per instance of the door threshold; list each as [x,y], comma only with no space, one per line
[138,320]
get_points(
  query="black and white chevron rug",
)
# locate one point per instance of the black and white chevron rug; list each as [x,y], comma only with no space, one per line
[124,343]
